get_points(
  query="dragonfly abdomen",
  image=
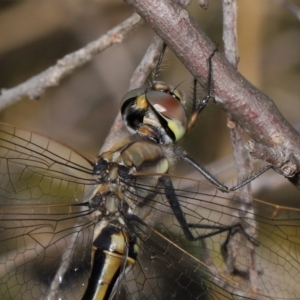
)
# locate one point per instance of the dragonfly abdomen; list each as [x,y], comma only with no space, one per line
[108,259]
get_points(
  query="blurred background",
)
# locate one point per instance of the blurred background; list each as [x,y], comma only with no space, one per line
[81,110]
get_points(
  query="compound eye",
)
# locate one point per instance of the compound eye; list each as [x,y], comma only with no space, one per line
[133,108]
[131,96]
[171,110]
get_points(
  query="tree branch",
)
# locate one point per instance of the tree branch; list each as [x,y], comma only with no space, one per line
[291,7]
[251,109]
[138,78]
[35,86]
[241,155]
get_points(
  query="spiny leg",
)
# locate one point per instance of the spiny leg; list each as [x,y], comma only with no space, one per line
[208,95]
[222,187]
[159,63]
[186,227]
[192,121]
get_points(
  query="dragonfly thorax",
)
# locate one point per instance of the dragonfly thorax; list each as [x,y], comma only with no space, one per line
[157,112]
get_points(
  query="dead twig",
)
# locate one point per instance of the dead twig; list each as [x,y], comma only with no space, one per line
[36,86]
[251,109]
[291,7]
[139,77]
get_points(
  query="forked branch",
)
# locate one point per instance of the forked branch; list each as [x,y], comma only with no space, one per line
[34,87]
[250,108]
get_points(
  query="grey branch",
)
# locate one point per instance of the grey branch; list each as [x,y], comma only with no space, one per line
[230,31]
[241,156]
[291,7]
[251,109]
[147,64]
[138,78]
[35,86]
[285,163]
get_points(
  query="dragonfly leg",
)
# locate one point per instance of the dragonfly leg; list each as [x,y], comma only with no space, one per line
[186,227]
[220,185]
[159,63]
[204,101]
[229,254]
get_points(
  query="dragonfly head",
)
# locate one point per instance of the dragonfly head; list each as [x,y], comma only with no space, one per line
[158,110]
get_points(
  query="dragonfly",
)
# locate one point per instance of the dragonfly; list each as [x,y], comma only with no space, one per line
[123,227]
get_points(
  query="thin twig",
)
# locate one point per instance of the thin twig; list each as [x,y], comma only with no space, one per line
[250,108]
[231,53]
[242,158]
[147,64]
[230,31]
[139,77]
[35,86]
[291,7]
[241,155]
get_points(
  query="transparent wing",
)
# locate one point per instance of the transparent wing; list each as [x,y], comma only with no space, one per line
[44,251]
[164,270]
[249,248]
[38,170]
[243,248]
[46,239]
